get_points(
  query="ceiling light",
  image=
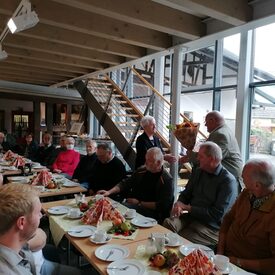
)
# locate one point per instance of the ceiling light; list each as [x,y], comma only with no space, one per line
[23,22]
[3,54]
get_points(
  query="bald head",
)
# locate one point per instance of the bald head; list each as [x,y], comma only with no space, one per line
[214,120]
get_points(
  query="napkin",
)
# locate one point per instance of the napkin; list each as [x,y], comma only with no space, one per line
[19,161]
[43,178]
[9,155]
[102,210]
[196,263]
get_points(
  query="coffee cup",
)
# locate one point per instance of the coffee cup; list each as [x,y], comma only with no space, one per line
[79,198]
[100,236]
[221,262]
[172,238]
[130,213]
[159,241]
[74,213]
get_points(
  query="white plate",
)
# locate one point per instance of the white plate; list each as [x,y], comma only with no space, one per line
[59,210]
[58,177]
[71,184]
[112,252]
[228,270]
[102,242]
[9,168]
[144,222]
[178,243]
[74,217]
[188,248]
[82,231]
[127,266]
[18,178]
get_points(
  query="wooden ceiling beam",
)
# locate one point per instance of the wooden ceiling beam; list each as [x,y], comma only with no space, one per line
[56,48]
[55,58]
[46,65]
[32,80]
[18,67]
[234,12]
[144,13]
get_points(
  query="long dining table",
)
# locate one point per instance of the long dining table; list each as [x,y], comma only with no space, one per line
[60,226]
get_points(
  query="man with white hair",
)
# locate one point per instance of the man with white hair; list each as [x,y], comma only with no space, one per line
[150,189]
[209,194]
[148,140]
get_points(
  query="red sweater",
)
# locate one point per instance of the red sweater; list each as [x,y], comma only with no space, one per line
[67,161]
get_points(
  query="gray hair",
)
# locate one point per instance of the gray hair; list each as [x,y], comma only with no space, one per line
[105,147]
[263,171]
[156,152]
[147,120]
[217,116]
[93,142]
[211,149]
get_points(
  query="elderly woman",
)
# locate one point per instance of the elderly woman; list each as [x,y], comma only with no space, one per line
[67,161]
[148,140]
[247,234]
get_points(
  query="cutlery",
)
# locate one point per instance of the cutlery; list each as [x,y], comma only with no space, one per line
[111,252]
[119,268]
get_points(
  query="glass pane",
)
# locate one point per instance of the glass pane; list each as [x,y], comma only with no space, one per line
[198,67]
[198,104]
[264,68]
[231,50]
[262,135]
[228,107]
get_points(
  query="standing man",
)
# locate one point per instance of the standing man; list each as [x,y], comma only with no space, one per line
[209,194]
[221,134]
[85,165]
[108,170]
[150,189]
[148,140]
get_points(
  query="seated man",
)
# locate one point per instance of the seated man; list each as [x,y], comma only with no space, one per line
[85,165]
[20,216]
[209,194]
[247,233]
[45,153]
[67,161]
[29,149]
[108,170]
[4,145]
[150,189]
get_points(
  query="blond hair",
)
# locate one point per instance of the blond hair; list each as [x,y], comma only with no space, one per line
[16,200]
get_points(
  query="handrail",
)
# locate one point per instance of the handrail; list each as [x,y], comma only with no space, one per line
[162,97]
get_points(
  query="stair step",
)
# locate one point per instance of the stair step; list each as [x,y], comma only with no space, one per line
[124,115]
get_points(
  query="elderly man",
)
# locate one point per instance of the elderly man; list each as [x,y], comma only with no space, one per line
[46,152]
[148,140]
[108,170]
[150,189]
[221,134]
[20,216]
[247,234]
[209,194]
[67,161]
[85,165]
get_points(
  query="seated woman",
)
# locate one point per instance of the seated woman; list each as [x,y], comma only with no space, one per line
[67,161]
[247,233]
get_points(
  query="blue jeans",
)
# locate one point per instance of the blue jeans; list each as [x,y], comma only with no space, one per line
[53,268]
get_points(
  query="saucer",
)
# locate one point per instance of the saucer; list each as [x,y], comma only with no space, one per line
[91,239]
[75,217]
[129,217]
[228,270]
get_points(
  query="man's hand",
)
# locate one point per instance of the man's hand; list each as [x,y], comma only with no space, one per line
[57,171]
[180,208]
[105,193]
[170,158]
[132,201]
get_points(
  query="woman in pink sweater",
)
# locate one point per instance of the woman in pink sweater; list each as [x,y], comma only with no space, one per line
[67,161]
